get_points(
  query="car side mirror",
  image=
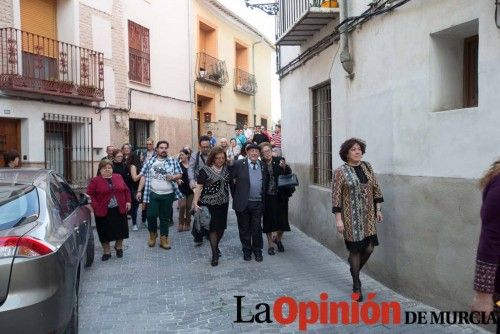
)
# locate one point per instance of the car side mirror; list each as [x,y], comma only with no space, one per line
[84,199]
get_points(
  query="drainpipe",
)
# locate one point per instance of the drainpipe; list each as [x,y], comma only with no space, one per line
[345,56]
[191,88]
[253,72]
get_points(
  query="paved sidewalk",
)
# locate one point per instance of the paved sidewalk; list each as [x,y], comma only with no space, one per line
[151,290]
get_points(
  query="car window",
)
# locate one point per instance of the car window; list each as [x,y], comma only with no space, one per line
[63,196]
[16,203]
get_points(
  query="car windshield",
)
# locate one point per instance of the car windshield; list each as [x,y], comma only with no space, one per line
[17,202]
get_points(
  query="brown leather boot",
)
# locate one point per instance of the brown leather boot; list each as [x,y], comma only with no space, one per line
[152,239]
[164,242]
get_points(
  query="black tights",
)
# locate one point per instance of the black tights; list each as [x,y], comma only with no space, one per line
[215,237]
[357,261]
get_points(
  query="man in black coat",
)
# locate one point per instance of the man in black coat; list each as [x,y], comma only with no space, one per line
[249,181]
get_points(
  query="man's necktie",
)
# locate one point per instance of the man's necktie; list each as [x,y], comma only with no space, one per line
[254,165]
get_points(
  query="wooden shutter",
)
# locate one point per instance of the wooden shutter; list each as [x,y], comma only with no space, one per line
[39,17]
[471,45]
[139,61]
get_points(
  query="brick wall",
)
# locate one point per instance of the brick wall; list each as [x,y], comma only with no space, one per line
[6,13]
[118,130]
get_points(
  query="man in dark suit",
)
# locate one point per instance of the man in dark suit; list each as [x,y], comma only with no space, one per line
[248,187]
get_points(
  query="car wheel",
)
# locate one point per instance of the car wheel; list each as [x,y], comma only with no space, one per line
[72,327]
[89,256]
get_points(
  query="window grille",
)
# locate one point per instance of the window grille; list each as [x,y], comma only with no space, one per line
[322,136]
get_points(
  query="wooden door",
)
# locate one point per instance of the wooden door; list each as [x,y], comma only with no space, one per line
[10,137]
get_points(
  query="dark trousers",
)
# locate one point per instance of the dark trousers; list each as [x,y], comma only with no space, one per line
[250,228]
[144,212]
[160,206]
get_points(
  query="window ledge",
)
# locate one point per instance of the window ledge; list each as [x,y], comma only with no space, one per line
[466,109]
[139,83]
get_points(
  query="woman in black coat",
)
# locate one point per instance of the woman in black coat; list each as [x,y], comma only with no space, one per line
[275,218]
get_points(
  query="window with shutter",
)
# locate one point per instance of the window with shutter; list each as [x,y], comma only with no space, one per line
[139,57]
[39,17]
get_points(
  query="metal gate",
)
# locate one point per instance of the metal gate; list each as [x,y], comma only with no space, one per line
[68,147]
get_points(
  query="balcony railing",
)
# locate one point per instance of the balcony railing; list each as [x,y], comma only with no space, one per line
[37,64]
[211,70]
[299,20]
[244,82]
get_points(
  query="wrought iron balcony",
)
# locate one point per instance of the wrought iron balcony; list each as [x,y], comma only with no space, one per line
[36,64]
[244,82]
[299,20]
[211,70]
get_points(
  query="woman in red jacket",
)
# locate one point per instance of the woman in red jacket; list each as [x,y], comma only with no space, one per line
[110,200]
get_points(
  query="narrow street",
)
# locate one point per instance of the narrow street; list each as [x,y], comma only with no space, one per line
[151,290]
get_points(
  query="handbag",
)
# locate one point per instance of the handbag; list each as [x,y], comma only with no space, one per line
[288,181]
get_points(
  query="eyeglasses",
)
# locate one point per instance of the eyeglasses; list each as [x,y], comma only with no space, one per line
[149,144]
[119,156]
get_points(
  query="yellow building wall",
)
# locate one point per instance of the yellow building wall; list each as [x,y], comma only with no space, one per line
[228,102]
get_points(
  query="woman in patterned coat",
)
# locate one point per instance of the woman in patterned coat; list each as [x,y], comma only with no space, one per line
[212,191]
[356,201]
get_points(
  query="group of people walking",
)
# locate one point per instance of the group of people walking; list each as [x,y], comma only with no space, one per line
[201,182]
[252,182]
[205,182]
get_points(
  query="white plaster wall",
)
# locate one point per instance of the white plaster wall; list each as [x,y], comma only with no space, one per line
[167,22]
[296,107]
[389,101]
[101,36]
[154,105]
[67,21]
[32,128]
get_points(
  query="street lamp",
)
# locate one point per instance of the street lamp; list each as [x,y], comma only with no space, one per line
[270,8]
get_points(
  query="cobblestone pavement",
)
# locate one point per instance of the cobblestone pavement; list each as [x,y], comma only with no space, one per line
[151,290]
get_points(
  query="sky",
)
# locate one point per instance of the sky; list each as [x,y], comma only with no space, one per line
[265,24]
[260,20]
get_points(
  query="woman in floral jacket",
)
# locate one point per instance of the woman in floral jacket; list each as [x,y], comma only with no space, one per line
[356,201]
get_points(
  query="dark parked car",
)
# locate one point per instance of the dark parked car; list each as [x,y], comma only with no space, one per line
[45,241]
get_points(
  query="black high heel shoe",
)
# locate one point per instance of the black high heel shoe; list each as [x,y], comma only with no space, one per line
[105,257]
[215,262]
[119,252]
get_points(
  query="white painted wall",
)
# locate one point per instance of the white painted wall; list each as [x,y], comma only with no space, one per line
[296,121]
[32,127]
[167,22]
[389,101]
[67,21]
[101,36]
